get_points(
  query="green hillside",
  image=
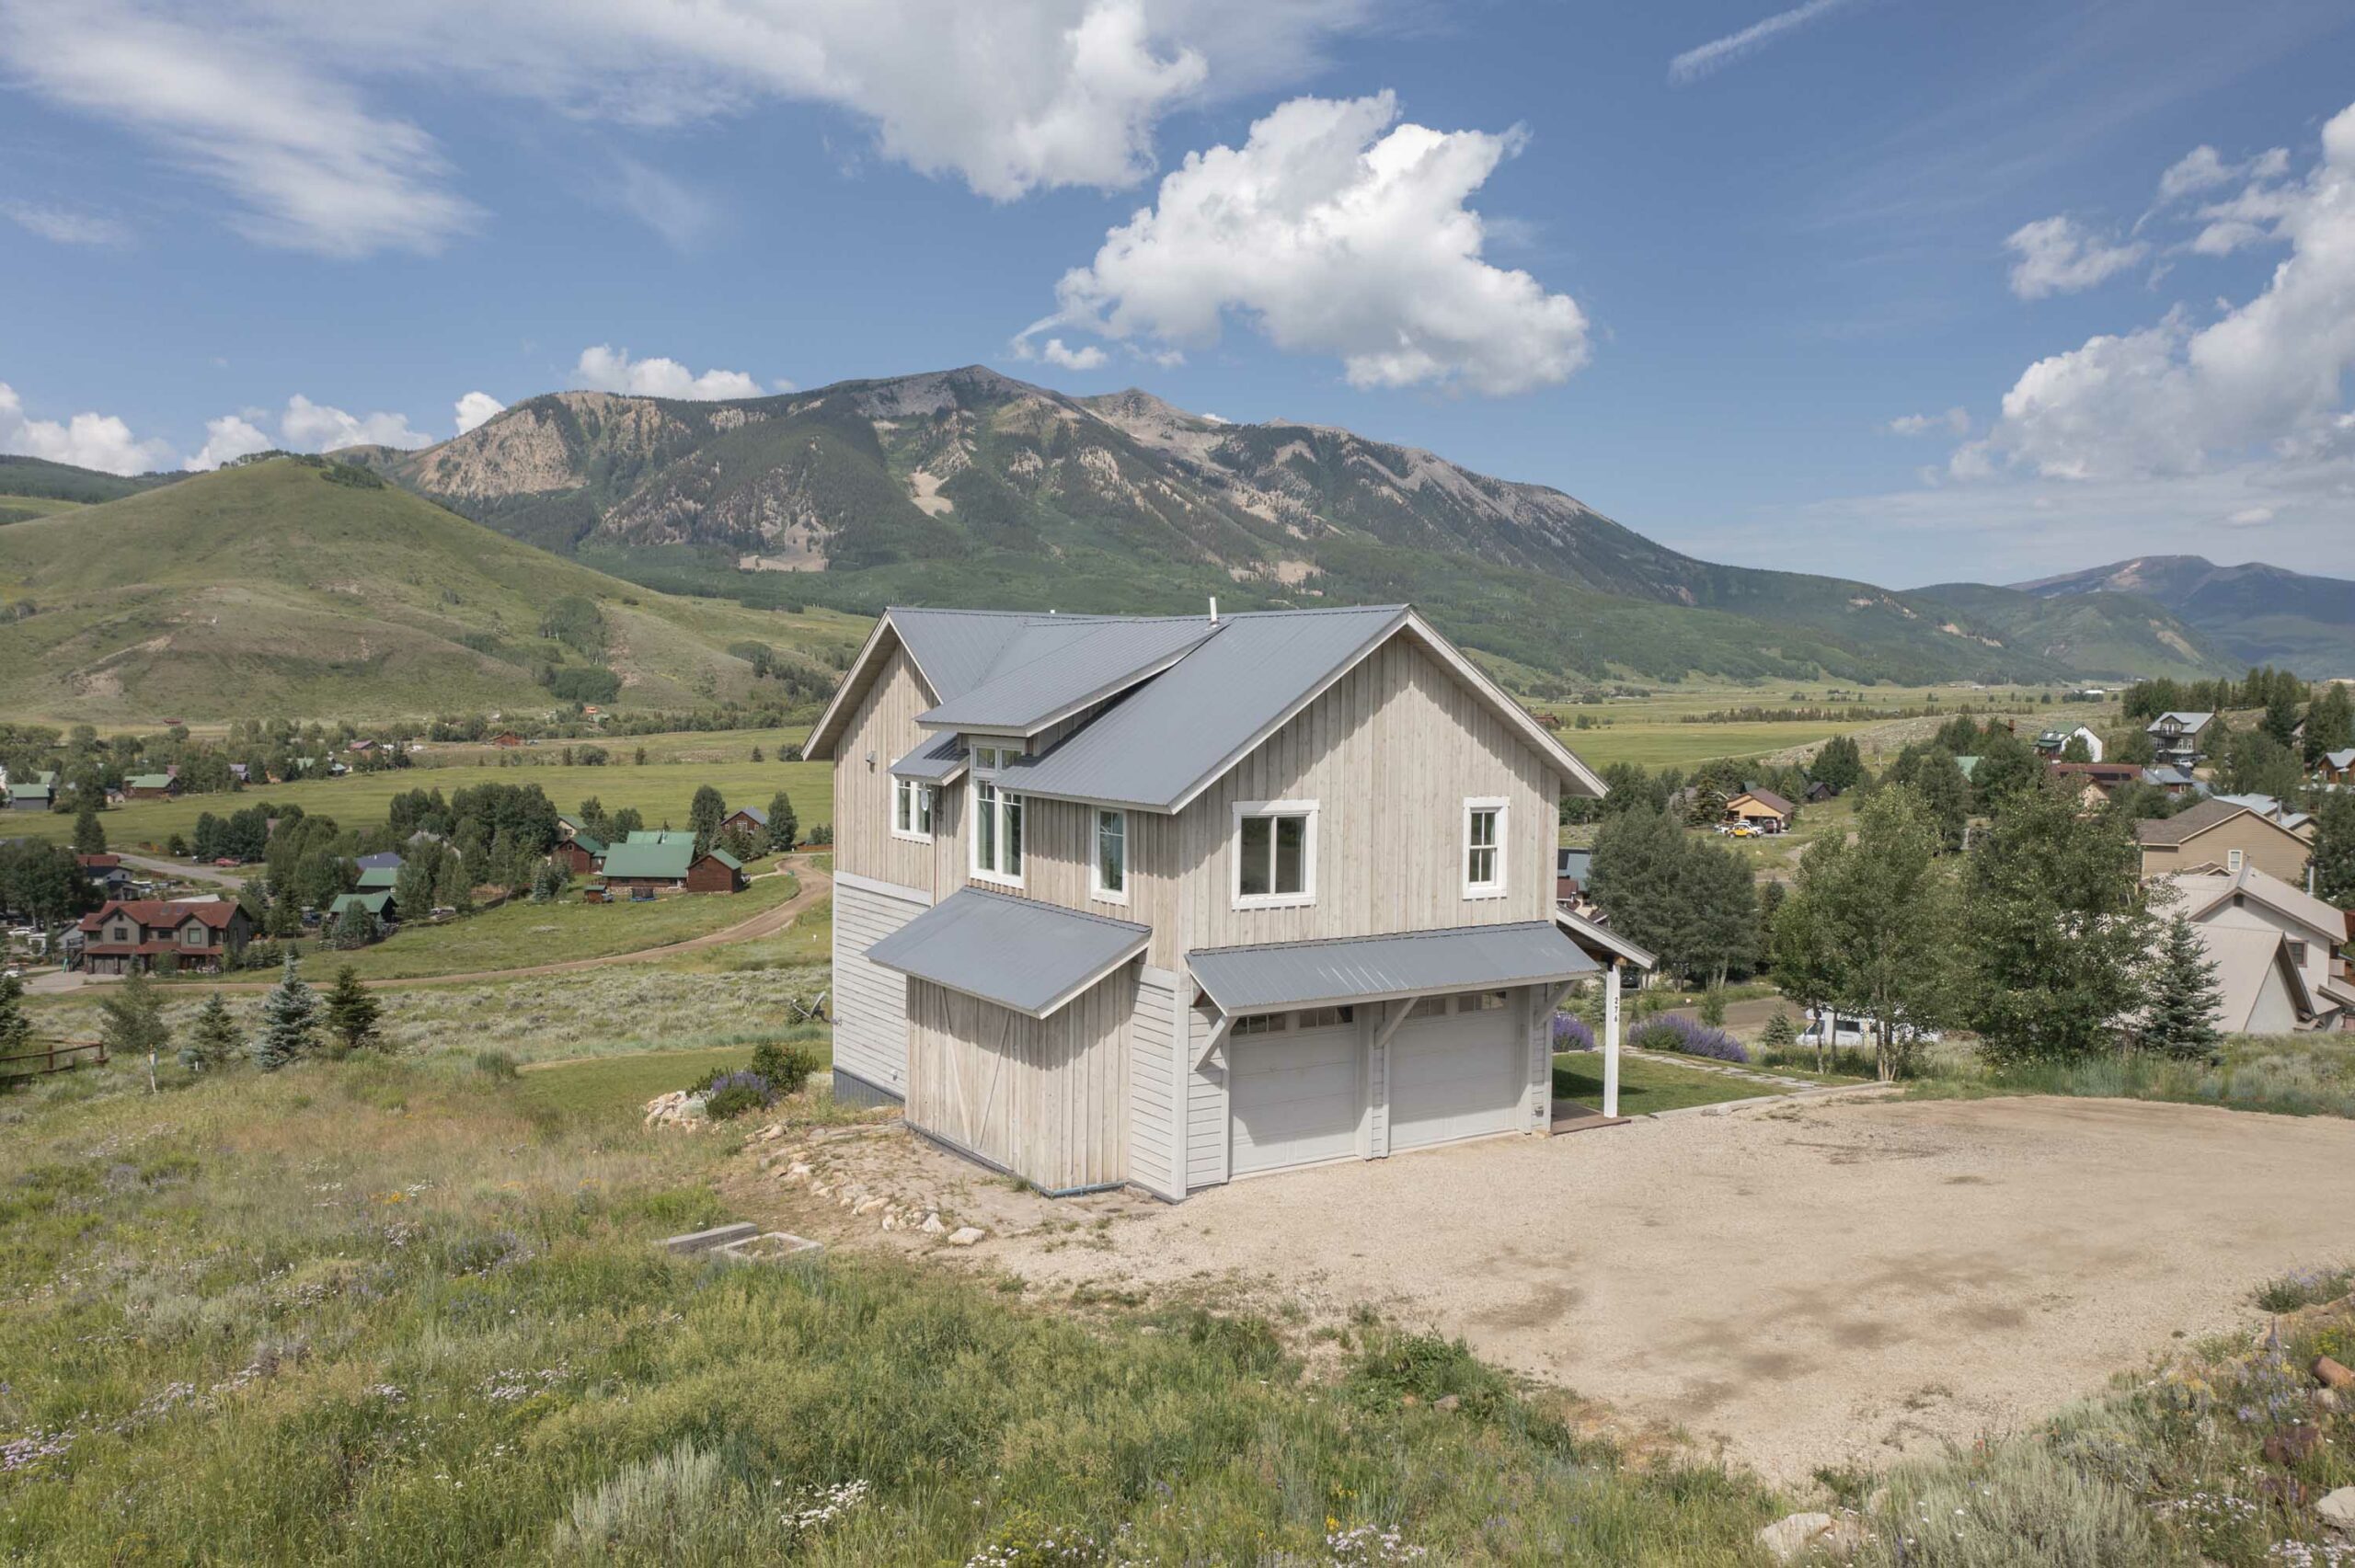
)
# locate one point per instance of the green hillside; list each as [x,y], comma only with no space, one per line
[299,586]
[969,487]
[44,480]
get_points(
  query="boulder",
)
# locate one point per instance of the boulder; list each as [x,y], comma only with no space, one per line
[966,1235]
[678,1108]
[1800,1537]
[932,1225]
[2330,1374]
[869,1205]
[2338,1509]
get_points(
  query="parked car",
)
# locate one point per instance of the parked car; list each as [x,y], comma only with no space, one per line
[1848,1031]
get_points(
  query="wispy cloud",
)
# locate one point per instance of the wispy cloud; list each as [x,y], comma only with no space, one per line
[65,226]
[1714,56]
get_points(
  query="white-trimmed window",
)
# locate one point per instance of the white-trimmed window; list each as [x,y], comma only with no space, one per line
[997,833]
[911,802]
[1484,848]
[2233,860]
[1275,853]
[1108,879]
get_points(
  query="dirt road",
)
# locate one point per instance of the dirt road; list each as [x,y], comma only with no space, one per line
[1839,1283]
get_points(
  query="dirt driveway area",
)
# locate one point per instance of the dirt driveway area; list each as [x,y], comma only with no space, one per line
[1840,1283]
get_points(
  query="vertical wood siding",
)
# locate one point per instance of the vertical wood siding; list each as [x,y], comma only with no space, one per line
[1157,1088]
[1389,754]
[884,721]
[1206,1109]
[1046,1098]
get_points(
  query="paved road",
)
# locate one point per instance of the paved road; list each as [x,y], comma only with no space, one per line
[815,886]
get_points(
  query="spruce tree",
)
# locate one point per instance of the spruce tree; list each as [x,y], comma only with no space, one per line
[2334,850]
[352,1012]
[785,829]
[131,1022]
[15,1028]
[2179,1017]
[89,834]
[213,1040]
[289,1015]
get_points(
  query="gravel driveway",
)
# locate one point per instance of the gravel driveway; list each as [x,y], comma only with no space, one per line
[1837,1282]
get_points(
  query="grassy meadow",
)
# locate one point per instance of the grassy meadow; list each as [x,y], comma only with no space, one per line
[1647,1085]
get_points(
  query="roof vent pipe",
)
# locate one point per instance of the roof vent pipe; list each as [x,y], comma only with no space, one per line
[1214,609]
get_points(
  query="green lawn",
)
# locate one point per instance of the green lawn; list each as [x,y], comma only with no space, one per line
[520,934]
[660,791]
[1646,1086]
[603,1086]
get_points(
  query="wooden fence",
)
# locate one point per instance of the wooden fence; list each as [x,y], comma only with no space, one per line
[56,1057]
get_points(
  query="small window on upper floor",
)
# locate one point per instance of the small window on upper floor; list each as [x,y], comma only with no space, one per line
[2297,953]
[1275,853]
[2233,859]
[911,805]
[1484,856]
[1109,875]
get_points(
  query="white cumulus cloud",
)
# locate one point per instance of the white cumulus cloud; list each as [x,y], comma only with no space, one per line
[2060,255]
[283,107]
[1955,421]
[603,368]
[476,408]
[86,440]
[226,438]
[1055,353]
[1336,230]
[317,427]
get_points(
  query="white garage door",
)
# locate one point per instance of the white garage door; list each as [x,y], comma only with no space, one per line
[1458,1068]
[1295,1093]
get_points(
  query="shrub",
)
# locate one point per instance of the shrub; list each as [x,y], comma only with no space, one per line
[1674,1032]
[2305,1288]
[1571,1033]
[1780,1035]
[1713,1007]
[732,1094]
[785,1067]
[496,1064]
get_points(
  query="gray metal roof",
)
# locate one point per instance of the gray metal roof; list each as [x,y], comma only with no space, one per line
[1058,665]
[1018,953]
[937,761]
[955,648]
[1194,720]
[1368,968]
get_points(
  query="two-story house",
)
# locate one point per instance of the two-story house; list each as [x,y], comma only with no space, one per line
[2220,835]
[1173,900]
[2254,899]
[2180,738]
[142,935]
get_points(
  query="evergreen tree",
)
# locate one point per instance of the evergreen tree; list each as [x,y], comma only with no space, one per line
[351,1012]
[2007,768]
[2077,751]
[2058,928]
[15,1028]
[1780,1036]
[2330,724]
[89,834]
[785,829]
[130,1021]
[1945,796]
[215,1041]
[451,884]
[625,822]
[289,1017]
[704,814]
[2181,996]
[1839,766]
[2280,722]
[2334,849]
[413,884]
[1960,735]
[2259,764]
[2133,745]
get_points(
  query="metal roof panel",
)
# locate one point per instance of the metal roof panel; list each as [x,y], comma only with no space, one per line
[1018,953]
[1368,968]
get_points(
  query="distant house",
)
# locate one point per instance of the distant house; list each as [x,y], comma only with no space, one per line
[579,851]
[2173,780]
[751,819]
[2094,783]
[360,747]
[660,836]
[1761,809]
[715,871]
[2273,810]
[2220,835]
[1970,765]
[2253,900]
[2053,742]
[32,797]
[140,935]
[150,787]
[379,878]
[1816,791]
[669,865]
[2180,738]
[2336,768]
[507,738]
[106,872]
[383,859]
[378,903]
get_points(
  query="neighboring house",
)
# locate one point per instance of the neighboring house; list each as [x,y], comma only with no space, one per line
[106,872]
[579,851]
[1571,869]
[379,878]
[2180,738]
[151,786]
[383,859]
[127,937]
[1761,809]
[2220,835]
[2094,783]
[661,836]
[751,819]
[2173,780]
[2053,742]
[2336,768]
[31,796]
[1169,901]
[507,738]
[378,903]
[1816,791]
[1970,765]
[2273,810]
[2263,991]
[2254,900]
[668,863]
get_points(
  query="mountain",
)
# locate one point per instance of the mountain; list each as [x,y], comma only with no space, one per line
[969,487]
[37,478]
[305,588]
[2252,613]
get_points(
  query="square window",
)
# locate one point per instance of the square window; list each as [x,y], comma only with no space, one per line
[1275,853]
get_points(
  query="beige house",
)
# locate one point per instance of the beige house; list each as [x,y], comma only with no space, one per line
[2262,990]
[1170,901]
[2311,931]
[2223,836]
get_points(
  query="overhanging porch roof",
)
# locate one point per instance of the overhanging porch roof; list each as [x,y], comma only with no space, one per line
[1377,969]
[1018,953]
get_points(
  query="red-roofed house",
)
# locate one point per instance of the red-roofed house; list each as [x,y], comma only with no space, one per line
[135,935]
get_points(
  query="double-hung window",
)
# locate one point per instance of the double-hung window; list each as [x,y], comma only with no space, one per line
[1109,879]
[1483,854]
[1275,853]
[997,821]
[912,809]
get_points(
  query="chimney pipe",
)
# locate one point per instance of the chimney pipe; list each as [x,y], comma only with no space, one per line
[1214,609]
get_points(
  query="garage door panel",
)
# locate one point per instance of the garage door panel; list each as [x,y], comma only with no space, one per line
[1294,1099]
[1458,1076]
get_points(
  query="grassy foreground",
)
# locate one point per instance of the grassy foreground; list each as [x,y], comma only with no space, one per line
[392,1311]
[2297,1075]
[1646,1086]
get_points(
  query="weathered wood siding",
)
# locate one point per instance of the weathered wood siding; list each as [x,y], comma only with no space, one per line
[884,721]
[1390,754]
[1158,1074]
[1057,855]
[1047,1099]
[870,1001]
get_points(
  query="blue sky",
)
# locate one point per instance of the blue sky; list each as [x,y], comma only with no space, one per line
[1882,289]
